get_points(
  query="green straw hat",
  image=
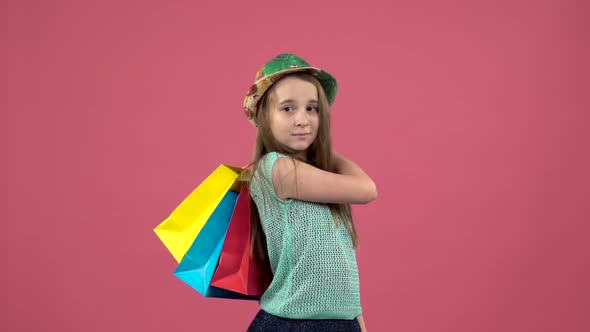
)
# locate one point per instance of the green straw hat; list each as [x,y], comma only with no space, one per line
[276,69]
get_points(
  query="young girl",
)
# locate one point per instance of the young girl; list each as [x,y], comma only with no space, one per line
[301,192]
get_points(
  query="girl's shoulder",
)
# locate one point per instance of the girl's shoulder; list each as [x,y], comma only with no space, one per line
[266,163]
[262,182]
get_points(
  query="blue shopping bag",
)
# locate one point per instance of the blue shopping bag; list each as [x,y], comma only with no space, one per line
[199,263]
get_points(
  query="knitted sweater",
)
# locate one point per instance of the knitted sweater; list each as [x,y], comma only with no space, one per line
[312,259]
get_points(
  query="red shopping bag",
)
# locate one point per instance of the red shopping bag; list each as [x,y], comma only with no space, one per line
[238,271]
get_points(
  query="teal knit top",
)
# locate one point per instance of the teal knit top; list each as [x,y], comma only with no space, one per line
[312,259]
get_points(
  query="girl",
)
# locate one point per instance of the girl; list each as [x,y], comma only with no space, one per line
[301,191]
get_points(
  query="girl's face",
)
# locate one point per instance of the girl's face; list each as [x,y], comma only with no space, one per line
[294,115]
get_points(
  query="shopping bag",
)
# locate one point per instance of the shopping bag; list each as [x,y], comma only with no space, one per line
[239,270]
[198,264]
[180,229]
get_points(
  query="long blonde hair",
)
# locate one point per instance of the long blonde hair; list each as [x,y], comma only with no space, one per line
[319,154]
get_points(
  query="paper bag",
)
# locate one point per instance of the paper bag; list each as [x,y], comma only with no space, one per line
[198,264]
[238,271]
[181,228]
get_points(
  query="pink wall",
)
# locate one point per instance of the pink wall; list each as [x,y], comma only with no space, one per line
[470,115]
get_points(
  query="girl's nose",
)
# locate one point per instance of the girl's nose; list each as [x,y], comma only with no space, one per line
[301,118]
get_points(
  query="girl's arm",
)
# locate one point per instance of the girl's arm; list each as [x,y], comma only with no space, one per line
[350,184]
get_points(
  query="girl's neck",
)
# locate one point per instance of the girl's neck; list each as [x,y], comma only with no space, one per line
[302,155]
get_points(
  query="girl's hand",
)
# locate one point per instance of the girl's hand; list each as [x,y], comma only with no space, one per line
[362,323]
[337,163]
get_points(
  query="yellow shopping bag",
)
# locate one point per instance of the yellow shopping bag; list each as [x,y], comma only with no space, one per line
[180,230]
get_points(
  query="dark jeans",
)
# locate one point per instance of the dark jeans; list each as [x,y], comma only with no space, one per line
[266,322]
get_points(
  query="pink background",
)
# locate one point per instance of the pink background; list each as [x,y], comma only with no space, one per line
[471,116]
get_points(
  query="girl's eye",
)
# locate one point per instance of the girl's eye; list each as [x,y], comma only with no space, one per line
[313,108]
[287,108]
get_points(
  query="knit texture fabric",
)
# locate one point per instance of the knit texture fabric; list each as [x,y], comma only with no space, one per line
[312,259]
